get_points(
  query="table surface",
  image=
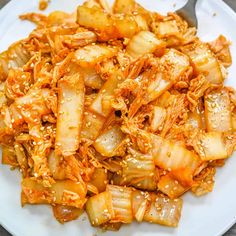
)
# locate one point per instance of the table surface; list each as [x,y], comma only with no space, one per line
[232,231]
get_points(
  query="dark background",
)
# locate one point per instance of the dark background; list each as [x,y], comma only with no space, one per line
[232,231]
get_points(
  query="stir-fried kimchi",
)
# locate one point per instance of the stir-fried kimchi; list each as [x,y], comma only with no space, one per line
[116,111]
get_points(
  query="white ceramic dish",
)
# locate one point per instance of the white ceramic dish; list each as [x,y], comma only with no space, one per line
[210,215]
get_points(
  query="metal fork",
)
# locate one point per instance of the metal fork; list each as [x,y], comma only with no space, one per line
[188,12]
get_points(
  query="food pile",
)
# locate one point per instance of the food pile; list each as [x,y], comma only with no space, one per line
[116,111]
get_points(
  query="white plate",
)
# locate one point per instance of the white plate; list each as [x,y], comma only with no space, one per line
[210,215]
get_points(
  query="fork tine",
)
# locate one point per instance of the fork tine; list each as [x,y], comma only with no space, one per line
[188,12]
